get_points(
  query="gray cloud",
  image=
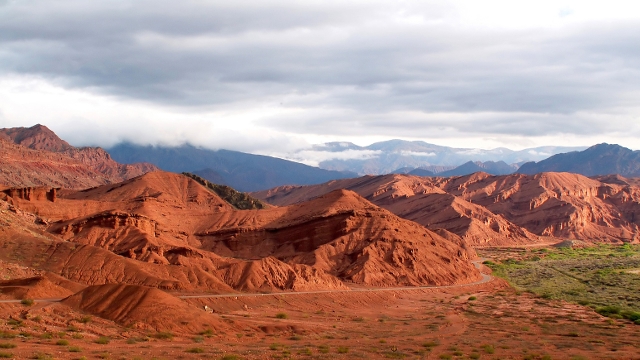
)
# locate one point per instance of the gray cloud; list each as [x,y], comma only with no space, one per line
[354,68]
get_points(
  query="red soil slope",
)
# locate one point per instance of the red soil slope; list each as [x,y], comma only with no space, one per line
[142,307]
[36,156]
[39,287]
[418,199]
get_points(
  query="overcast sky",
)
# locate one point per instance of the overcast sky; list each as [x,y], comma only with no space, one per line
[274,76]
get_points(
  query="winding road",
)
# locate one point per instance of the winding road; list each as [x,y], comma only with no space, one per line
[477,263]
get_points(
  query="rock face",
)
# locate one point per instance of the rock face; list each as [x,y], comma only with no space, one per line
[36,156]
[561,205]
[167,231]
[510,209]
[601,159]
[421,200]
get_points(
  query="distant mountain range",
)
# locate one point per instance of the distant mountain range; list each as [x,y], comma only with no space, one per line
[601,159]
[242,171]
[399,156]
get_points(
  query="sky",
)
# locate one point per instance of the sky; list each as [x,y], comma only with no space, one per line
[273,77]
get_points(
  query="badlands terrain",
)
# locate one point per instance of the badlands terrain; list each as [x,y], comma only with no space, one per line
[105,260]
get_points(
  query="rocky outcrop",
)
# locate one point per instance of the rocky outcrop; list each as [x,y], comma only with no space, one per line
[36,156]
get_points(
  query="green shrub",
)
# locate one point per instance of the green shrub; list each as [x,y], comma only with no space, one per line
[471,298]
[207,333]
[343,349]
[164,335]
[488,348]
[27,302]
[631,315]
[75,349]
[430,344]
[6,355]
[14,322]
[7,346]
[198,339]
[281,315]
[608,310]
[42,356]
[237,199]
[62,342]
[196,350]
[103,340]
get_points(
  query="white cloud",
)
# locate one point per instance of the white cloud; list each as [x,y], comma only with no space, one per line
[418,153]
[272,77]
[314,157]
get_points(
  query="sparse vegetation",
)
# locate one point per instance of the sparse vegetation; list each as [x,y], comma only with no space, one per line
[489,349]
[6,355]
[343,350]
[596,276]
[103,340]
[27,302]
[237,199]
[42,356]
[230,357]
[471,298]
[7,346]
[62,342]
[7,335]
[75,349]
[163,335]
[14,322]
[281,315]
[195,350]
[198,339]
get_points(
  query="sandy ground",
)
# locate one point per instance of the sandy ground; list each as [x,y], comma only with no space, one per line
[486,321]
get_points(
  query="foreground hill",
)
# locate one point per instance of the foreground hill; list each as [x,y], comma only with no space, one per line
[508,209]
[244,172]
[36,156]
[601,159]
[167,231]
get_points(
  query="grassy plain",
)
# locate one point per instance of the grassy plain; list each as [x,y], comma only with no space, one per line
[604,277]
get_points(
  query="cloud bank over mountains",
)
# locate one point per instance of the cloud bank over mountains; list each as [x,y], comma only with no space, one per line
[272,77]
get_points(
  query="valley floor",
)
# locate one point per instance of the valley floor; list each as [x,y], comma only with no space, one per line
[484,321]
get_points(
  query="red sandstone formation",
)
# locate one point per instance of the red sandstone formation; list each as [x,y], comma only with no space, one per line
[167,231]
[499,210]
[420,200]
[38,157]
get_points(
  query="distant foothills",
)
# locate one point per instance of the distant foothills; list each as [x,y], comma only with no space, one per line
[249,172]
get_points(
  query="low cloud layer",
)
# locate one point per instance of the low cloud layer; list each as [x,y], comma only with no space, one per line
[273,76]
